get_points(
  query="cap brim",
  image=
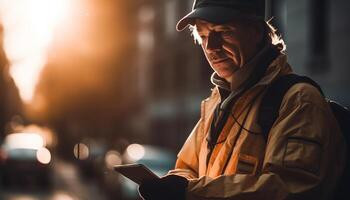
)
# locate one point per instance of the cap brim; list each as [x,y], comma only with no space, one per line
[216,15]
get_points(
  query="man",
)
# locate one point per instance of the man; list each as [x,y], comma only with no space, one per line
[226,156]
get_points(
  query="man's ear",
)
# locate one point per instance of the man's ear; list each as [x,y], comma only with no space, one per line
[259,32]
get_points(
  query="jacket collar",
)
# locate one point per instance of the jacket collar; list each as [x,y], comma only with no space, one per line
[242,75]
[277,68]
[245,76]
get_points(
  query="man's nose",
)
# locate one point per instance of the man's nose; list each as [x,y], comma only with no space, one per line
[214,42]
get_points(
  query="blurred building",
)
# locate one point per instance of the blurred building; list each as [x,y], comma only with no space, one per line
[318,43]
[10,102]
[3,64]
[173,75]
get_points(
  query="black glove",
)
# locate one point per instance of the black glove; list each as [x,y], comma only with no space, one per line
[169,187]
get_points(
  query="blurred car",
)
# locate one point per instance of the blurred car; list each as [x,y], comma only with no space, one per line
[157,159]
[25,160]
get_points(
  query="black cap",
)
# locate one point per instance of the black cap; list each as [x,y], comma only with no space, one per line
[222,11]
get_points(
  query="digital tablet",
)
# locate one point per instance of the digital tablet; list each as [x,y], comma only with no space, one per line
[136,172]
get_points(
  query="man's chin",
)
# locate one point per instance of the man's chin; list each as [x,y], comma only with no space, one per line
[226,76]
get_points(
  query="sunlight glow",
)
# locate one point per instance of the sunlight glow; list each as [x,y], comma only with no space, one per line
[28,28]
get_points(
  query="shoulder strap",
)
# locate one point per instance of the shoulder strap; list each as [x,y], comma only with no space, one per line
[342,114]
[271,102]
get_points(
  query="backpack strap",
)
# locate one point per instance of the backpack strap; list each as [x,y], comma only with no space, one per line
[271,102]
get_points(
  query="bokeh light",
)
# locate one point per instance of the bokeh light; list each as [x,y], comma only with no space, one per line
[135,151]
[62,196]
[113,158]
[24,141]
[43,155]
[47,134]
[81,151]
[22,197]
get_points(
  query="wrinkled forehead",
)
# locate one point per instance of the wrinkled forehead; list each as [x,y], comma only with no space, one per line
[202,25]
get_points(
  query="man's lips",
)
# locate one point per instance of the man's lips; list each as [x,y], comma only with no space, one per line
[216,61]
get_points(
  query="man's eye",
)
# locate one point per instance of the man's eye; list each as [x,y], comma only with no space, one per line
[226,33]
[202,36]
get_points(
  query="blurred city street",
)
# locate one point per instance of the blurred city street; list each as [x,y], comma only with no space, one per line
[67,184]
[88,84]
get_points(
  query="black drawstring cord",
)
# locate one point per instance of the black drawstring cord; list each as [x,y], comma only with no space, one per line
[250,104]
[240,125]
[236,138]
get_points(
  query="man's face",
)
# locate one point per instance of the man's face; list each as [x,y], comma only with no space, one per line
[228,46]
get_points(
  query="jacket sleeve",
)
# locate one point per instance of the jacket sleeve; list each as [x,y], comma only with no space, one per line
[300,161]
[187,161]
[187,164]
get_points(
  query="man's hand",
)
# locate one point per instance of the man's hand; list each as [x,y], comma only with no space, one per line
[169,187]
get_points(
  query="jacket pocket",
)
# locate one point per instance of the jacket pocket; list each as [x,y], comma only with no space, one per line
[304,154]
[247,164]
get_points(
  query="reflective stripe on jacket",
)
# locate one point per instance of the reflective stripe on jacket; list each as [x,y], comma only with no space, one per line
[302,159]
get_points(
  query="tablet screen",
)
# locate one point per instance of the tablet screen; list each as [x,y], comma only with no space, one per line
[136,172]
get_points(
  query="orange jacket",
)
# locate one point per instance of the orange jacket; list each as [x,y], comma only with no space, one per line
[302,159]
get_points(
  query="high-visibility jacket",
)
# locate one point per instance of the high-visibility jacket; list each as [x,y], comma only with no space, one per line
[303,157]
